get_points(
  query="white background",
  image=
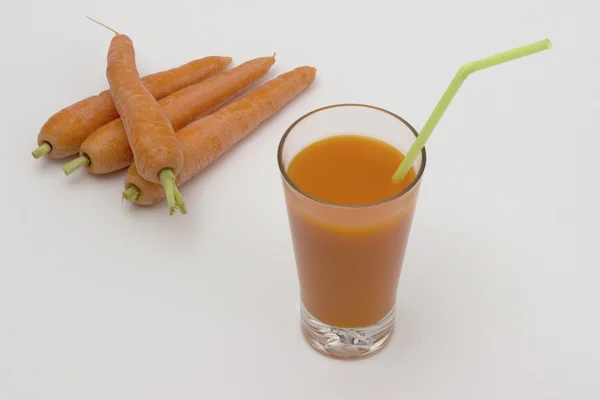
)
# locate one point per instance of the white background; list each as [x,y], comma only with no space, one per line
[499,295]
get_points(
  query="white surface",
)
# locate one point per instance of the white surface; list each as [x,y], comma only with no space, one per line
[102,300]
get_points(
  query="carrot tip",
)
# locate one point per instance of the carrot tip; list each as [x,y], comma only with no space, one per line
[42,150]
[131,193]
[75,164]
[174,199]
[101,24]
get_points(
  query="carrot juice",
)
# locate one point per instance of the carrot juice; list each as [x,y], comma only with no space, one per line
[348,274]
[349,222]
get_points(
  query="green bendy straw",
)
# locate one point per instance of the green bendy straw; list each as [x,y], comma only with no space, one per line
[456,83]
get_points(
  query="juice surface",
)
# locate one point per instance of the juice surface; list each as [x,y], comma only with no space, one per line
[348,169]
[349,276]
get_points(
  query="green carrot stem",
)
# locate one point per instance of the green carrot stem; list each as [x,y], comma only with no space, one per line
[42,150]
[75,164]
[179,200]
[174,199]
[131,193]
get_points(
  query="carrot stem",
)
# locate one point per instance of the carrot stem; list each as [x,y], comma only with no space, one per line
[75,164]
[40,151]
[174,199]
[131,193]
[179,201]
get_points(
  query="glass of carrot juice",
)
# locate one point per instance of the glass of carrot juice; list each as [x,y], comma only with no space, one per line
[349,222]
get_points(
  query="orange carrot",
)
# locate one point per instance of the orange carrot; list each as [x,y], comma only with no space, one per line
[206,139]
[62,135]
[107,148]
[156,150]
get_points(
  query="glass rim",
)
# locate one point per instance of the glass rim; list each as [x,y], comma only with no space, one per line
[389,199]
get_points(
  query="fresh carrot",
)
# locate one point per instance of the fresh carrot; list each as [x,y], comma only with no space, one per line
[107,148]
[206,139]
[63,133]
[156,150]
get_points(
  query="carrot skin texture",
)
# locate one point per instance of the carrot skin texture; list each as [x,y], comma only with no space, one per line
[206,139]
[69,127]
[150,133]
[108,147]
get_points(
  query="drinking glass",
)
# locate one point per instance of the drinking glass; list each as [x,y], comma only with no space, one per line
[348,257]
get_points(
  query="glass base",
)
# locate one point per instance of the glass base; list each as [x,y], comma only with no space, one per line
[346,343]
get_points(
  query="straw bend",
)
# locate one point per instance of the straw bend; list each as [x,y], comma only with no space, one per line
[466,70]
